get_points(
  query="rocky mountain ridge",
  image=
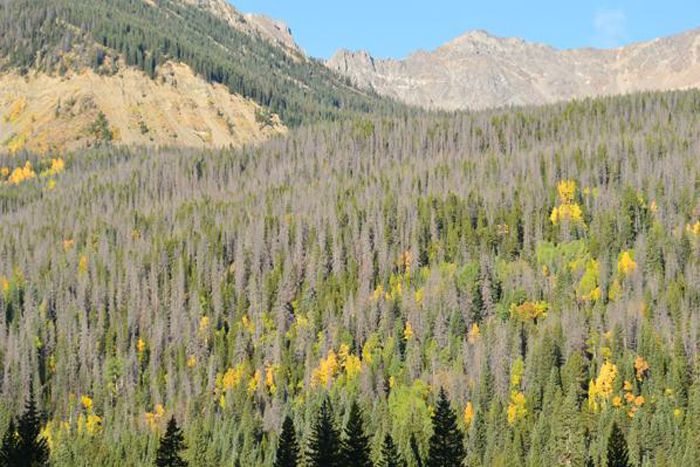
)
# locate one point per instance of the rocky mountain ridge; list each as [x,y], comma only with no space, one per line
[478,70]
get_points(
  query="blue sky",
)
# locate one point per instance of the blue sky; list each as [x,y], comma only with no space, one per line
[394,28]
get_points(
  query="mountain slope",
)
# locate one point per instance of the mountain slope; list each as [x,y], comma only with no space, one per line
[511,257]
[208,44]
[478,71]
[43,113]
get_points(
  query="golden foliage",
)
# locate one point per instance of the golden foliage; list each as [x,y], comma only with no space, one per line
[468,414]
[600,389]
[191,362]
[203,324]
[270,378]
[90,424]
[233,376]
[516,407]
[325,372]
[641,366]
[693,229]
[57,166]
[405,260]
[566,190]
[247,324]
[368,350]
[86,402]
[22,174]
[474,333]
[140,347]
[153,419]
[568,210]
[625,263]
[254,382]
[408,331]
[529,310]
[516,373]
[351,363]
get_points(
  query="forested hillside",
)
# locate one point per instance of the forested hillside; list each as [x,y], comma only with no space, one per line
[541,265]
[56,36]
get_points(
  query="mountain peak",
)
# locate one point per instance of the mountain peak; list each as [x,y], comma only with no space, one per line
[275,31]
[478,70]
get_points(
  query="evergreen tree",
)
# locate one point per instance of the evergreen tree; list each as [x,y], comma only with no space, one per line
[171,444]
[567,431]
[287,449]
[32,449]
[617,448]
[390,455]
[9,452]
[324,449]
[356,451]
[446,445]
[418,459]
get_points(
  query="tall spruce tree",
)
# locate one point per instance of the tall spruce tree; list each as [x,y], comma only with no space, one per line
[415,450]
[446,447]
[171,444]
[390,455]
[9,452]
[324,448]
[568,444]
[355,447]
[288,448]
[32,449]
[618,455]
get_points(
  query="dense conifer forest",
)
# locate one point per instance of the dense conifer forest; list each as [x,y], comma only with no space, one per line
[514,287]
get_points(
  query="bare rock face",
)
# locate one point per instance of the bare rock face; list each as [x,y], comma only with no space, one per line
[478,70]
[275,31]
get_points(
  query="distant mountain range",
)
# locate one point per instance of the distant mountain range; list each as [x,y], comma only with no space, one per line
[478,70]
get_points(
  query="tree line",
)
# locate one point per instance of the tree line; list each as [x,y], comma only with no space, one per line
[24,445]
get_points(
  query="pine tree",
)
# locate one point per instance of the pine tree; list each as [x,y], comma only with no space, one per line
[617,448]
[9,452]
[447,443]
[390,455]
[567,430]
[32,449]
[324,449]
[171,444]
[356,450]
[287,449]
[413,443]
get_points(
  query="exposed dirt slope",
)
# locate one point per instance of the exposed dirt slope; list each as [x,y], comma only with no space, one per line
[41,112]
